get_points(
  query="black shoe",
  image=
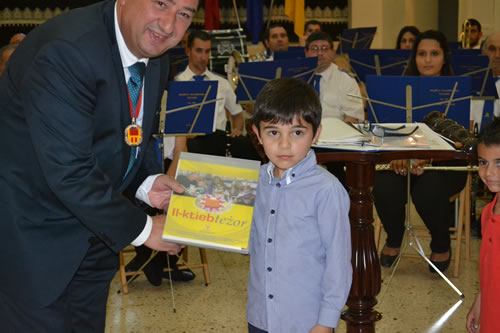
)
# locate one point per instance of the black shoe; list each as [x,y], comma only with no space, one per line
[386,260]
[180,275]
[441,265]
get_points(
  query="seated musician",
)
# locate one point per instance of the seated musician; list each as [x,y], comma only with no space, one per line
[491,48]
[198,51]
[430,190]
[275,39]
[333,84]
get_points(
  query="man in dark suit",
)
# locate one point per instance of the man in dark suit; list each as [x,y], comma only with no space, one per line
[68,94]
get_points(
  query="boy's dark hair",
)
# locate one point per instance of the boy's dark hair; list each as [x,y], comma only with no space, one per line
[272,26]
[409,28]
[439,37]
[319,35]
[197,34]
[474,23]
[311,22]
[490,134]
[282,100]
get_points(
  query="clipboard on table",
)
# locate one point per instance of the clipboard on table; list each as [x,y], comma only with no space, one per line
[252,76]
[357,38]
[190,108]
[478,68]
[406,99]
[378,62]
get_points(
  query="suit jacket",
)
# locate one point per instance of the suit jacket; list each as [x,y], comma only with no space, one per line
[64,108]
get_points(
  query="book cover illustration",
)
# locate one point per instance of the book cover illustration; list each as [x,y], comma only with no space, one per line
[216,209]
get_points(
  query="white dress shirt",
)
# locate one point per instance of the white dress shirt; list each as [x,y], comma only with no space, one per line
[334,86]
[224,91]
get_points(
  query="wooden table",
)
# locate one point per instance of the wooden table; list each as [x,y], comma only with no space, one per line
[360,315]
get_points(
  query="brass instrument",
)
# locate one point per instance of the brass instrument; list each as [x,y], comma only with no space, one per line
[232,68]
[465,35]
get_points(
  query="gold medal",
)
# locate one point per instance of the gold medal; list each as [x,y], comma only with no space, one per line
[133,135]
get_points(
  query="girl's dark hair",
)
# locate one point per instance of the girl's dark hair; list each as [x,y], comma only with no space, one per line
[411,29]
[284,99]
[490,134]
[446,70]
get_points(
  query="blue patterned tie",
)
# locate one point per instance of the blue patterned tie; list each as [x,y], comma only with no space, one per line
[316,80]
[199,77]
[134,86]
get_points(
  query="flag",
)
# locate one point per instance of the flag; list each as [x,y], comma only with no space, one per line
[294,9]
[255,19]
[212,16]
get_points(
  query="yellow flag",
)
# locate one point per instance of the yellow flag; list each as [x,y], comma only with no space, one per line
[294,9]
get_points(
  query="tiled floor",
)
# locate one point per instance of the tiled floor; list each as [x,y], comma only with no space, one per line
[415,300]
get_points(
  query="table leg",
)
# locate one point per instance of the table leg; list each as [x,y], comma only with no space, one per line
[360,316]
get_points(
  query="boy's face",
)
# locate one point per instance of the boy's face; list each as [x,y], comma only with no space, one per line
[286,144]
[489,166]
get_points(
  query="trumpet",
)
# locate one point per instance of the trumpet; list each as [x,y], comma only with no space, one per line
[465,35]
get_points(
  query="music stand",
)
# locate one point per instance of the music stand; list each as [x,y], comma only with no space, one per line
[409,237]
[252,76]
[358,38]
[378,62]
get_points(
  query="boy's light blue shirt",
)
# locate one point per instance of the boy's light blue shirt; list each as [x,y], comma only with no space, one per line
[300,248]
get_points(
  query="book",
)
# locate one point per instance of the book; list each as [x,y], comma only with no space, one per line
[421,138]
[216,209]
[336,131]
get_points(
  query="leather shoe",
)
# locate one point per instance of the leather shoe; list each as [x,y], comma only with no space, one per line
[441,265]
[387,260]
[180,275]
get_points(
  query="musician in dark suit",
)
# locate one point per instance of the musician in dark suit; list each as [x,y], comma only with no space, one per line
[73,90]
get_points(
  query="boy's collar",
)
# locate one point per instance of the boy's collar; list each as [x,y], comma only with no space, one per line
[289,174]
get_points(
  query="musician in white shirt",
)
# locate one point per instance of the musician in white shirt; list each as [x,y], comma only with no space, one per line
[198,51]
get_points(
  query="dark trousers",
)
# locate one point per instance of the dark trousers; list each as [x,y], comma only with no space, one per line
[253,329]
[82,306]
[430,193]
[211,144]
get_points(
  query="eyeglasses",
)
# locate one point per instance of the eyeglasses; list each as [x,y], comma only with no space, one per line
[380,131]
[316,49]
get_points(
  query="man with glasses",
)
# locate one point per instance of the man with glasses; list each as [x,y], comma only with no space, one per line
[332,83]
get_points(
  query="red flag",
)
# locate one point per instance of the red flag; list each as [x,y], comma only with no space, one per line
[212,16]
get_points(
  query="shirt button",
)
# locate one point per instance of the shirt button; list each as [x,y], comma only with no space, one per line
[273,211]
[269,269]
[278,185]
[269,240]
[270,296]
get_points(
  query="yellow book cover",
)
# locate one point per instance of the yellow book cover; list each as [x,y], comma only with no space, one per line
[216,209]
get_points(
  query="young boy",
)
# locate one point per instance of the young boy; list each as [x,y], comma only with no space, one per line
[485,311]
[300,245]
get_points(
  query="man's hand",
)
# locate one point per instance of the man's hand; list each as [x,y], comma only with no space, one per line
[161,191]
[321,329]
[155,241]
